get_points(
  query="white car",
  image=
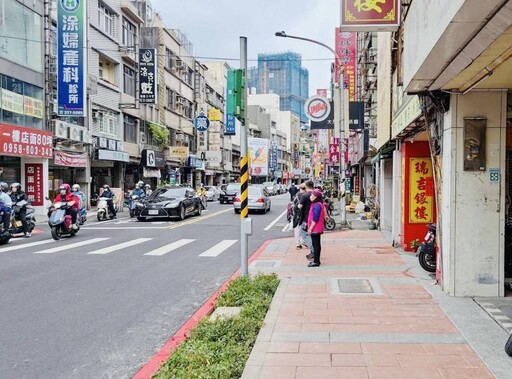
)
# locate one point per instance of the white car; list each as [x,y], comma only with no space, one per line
[271,188]
[212,193]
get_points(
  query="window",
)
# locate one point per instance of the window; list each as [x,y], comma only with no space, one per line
[106,70]
[129,33]
[188,109]
[171,98]
[106,122]
[129,81]
[188,76]
[106,19]
[169,58]
[130,129]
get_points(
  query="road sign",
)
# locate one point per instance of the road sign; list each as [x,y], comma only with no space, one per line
[201,123]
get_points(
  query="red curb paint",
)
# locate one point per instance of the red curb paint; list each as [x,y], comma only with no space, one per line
[153,365]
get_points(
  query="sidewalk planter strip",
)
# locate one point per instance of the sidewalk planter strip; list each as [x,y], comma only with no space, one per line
[220,348]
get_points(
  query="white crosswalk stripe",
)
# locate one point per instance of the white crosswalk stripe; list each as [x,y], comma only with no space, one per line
[70,246]
[216,250]
[119,246]
[170,247]
[25,245]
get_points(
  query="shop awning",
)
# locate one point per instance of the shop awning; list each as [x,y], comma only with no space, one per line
[385,151]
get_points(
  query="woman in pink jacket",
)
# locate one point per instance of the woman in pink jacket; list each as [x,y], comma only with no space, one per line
[316,226]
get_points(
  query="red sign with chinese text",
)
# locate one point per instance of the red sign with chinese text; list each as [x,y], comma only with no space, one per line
[370,15]
[70,160]
[34,183]
[334,152]
[25,142]
[346,57]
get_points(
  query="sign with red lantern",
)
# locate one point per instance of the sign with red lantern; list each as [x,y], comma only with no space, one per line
[370,15]
[25,142]
[34,183]
[346,57]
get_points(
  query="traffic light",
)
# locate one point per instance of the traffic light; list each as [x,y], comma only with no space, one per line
[235,97]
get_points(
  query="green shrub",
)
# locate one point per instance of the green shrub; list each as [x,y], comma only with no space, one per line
[220,348]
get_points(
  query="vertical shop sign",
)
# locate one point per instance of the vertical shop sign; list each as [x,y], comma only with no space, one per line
[71,57]
[334,152]
[421,191]
[34,183]
[147,76]
[346,54]
[230,125]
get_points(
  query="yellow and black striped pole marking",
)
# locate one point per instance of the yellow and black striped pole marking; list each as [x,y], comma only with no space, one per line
[244,187]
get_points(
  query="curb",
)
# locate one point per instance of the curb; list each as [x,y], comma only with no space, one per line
[153,365]
[497,315]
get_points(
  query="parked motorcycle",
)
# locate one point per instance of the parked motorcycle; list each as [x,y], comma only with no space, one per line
[427,250]
[16,225]
[103,210]
[132,205]
[329,223]
[60,222]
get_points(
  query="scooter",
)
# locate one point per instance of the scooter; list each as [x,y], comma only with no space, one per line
[30,216]
[60,222]
[329,223]
[427,250]
[5,235]
[82,216]
[103,211]
[132,205]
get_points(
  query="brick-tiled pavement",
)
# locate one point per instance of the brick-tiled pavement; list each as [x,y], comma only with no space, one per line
[312,330]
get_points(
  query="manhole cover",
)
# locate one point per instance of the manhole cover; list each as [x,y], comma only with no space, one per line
[355,286]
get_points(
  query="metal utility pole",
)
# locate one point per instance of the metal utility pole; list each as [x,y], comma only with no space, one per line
[245,222]
[343,199]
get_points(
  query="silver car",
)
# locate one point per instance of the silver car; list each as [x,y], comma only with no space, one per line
[271,188]
[258,200]
[212,193]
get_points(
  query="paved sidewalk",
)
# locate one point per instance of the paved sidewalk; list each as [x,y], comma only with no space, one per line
[366,313]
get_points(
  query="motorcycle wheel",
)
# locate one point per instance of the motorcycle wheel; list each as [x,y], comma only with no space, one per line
[508,346]
[100,216]
[132,213]
[426,262]
[56,233]
[330,224]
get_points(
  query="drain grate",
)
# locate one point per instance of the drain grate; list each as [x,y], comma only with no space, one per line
[355,286]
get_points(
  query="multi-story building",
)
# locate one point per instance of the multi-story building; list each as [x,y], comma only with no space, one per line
[281,74]
[444,153]
[26,145]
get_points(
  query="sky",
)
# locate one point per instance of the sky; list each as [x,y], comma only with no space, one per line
[214,28]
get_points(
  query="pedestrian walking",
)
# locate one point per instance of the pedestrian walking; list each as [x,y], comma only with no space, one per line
[293,191]
[316,226]
[304,205]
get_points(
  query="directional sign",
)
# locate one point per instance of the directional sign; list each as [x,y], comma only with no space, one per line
[201,123]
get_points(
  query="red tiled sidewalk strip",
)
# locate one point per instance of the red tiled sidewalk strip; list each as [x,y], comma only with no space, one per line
[316,333]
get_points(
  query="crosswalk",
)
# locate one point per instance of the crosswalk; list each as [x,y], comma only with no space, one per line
[96,246]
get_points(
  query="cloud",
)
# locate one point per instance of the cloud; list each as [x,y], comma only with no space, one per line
[214,28]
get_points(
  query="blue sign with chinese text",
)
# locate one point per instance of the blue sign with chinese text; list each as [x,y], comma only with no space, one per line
[71,58]
[201,123]
[230,125]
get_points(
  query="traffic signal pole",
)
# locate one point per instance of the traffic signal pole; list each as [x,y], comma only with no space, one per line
[245,222]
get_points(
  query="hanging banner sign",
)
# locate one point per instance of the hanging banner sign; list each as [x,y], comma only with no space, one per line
[70,159]
[230,125]
[71,58]
[346,60]
[34,183]
[147,76]
[370,15]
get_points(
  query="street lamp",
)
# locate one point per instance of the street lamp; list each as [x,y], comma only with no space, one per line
[343,206]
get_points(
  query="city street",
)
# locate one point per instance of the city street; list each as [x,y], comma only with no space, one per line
[100,304]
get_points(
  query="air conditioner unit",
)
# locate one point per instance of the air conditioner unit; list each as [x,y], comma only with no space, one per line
[94,113]
[87,137]
[60,129]
[75,133]
[180,101]
[142,137]
[179,63]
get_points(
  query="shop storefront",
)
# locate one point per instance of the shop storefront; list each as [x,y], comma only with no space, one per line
[109,164]
[24,156]
[68,167]
[153,167]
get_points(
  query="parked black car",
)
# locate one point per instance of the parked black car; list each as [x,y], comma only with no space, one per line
[228,194]
[170,202]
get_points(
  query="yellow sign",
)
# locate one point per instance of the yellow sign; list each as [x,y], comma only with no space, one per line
[12,102]
[421,191]
[178,152]
[214,114]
